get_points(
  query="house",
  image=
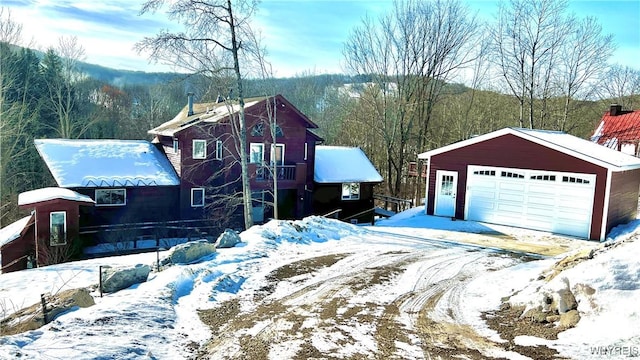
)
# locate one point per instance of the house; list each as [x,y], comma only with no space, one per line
[17,245]
[344,180]
[543,180]
[131,182]
[200,143]
[619,130]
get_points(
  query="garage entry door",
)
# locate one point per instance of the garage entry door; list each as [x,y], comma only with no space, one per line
[558,202]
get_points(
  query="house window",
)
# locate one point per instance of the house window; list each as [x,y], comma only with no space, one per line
[57,228]
[306,151]
[258,129]
[175,146]
[218,150]
[351,191]
[277,154]
[199,149]
[197,197]
[256,153]
[111,197]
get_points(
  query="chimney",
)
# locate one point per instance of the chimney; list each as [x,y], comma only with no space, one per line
[190,102]
[615,110]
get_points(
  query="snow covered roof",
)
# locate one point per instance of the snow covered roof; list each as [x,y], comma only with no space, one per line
[106,163]
[559,141]
[339,164]
[13,231]
[202,112]
[212,112]
[51,193]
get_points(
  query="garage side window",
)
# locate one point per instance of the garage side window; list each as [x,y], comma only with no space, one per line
[485,172]
[350,191]
[111,197]
[58,228]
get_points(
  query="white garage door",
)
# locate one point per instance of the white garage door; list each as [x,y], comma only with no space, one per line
[558,202]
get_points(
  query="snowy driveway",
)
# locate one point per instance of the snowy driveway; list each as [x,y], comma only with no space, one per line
[295,290]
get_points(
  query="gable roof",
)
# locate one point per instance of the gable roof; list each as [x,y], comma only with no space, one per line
[106,163]
[51,193]
[556,140]
[213,112]
[14,230]
[615,129]
[339,164]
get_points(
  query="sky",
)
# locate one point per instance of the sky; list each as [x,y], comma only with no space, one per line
[301,37]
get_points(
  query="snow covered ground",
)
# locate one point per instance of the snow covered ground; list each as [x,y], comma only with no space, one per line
[410,262]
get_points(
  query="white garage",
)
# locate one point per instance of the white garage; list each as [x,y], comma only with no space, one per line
[535,179]
[552,201]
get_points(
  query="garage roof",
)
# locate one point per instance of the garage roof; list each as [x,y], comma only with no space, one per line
[556,140]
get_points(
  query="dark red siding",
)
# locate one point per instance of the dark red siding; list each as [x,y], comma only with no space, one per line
[15,254]
[211,173]
[328,197]
[514,152]
[623,198]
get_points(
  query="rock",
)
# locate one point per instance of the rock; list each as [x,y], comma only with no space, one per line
[192,251]
[32,317]
[228,239]
[553,318]
[569,319]
[563,298]
[115,279]
[536,315]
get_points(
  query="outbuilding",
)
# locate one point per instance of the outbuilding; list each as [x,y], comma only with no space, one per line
[537,179]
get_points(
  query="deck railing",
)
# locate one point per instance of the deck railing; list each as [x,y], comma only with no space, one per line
[282,172]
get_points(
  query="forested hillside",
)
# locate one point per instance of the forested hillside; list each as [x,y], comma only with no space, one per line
[403,95]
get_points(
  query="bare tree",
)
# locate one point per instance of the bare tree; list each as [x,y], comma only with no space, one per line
[411,53]
[61,84]
[621,85]
[528,37]
[584,60]
[212,44]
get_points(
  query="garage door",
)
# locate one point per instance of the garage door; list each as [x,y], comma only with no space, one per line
[558,202]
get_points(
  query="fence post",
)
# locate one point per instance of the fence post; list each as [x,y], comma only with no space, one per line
[100,280]
[43,301]
[158,259]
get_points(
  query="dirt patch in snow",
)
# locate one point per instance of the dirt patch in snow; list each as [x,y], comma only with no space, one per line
[330,310]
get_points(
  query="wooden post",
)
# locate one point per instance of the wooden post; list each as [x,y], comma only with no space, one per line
[158,259]
[100,280]
[43,301]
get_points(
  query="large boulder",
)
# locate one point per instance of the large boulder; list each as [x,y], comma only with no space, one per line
[563,298]
[228,239]
[32,317]
[191,252]
[118,278]
[569,319]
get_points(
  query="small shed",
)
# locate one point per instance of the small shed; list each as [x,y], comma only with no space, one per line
[17,245]
[56,214]
[542,180]
[344,180]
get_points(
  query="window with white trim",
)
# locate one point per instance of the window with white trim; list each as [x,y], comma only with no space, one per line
[350,191]
[218,149]
[256,153]
[306,151]
[175,146]
[57,228]
[199,149]
[277,154]
[111,197]
[197,197]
